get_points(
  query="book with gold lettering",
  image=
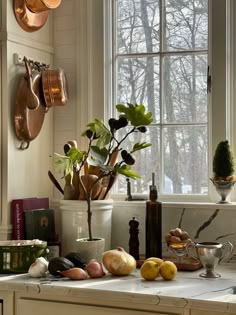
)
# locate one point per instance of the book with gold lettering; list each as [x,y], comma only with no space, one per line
[39,224]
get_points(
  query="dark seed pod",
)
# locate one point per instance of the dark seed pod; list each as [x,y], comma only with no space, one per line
[89,133]
[123,122]
[130,160]
[142,129]
[112,123]
[124,154]
[67,148]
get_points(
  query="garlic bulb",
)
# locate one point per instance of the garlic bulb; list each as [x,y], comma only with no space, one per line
[38,268]
[118,262]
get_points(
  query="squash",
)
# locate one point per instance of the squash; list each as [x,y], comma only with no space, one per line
[118,262]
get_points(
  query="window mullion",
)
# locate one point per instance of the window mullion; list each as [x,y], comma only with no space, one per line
[161,176]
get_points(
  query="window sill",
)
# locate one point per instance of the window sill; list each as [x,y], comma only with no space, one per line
[179,204]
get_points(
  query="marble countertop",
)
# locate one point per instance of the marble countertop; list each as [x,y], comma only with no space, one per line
[186,290]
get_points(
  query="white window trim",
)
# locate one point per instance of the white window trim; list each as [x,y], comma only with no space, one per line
[221,100]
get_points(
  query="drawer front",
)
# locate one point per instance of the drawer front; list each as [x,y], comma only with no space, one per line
[33,307]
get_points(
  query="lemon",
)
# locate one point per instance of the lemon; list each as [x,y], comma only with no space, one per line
[168,270]
[157,260]
[149,270]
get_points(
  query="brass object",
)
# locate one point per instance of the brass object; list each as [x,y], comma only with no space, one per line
[55,89]
[28,122]
[31,15]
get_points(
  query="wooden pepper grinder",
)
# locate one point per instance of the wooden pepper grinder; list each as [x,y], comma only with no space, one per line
[134,240]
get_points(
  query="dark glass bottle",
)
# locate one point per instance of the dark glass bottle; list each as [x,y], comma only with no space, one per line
[153,224]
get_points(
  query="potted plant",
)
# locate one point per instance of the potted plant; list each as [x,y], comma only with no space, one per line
[223,170]
[95,170]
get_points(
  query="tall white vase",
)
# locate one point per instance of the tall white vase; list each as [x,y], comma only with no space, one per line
[74,222]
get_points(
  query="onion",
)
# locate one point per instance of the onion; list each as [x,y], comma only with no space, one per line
[94,269]
[74,274]
[118,262]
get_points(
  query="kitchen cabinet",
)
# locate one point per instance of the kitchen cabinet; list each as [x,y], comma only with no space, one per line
[201,312]
[6,302]
[26,307]
[30,304]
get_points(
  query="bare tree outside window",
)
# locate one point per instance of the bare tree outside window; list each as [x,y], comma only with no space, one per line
[160,60]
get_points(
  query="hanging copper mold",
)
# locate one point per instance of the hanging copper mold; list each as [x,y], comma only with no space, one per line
[31,15]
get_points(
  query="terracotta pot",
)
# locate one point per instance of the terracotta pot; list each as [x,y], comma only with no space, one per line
[55,88]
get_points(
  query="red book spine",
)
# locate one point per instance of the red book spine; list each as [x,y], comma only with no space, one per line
[18,208]
[18,219]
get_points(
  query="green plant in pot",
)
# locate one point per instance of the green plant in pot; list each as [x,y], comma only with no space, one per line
[94,171]
[223,170]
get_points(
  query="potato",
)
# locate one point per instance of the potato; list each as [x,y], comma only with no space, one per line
[177,232]
[168,237]
[184,235]
[175,239]
[172,231]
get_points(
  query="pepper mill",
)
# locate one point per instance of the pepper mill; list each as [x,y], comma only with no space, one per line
[134,240]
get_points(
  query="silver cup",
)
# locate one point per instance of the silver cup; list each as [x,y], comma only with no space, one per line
[210,254]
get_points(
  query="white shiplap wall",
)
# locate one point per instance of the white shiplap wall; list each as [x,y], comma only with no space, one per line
[78,33]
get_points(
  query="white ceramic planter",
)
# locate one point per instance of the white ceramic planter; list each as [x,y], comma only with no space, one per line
[74,222]
[91,249]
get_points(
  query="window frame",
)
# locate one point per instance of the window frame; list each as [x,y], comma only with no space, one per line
[220,100]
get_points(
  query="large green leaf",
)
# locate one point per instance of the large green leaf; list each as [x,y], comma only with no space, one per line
[103,134]
[126,171]
[135,114]
[139,146]
[63,164]
[97,156]
[75,155]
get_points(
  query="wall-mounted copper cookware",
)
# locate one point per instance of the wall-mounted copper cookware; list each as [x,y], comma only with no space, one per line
[31,15]
[55,88]
[28,122]
[42,5]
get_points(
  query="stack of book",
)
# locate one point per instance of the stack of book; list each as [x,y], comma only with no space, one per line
[32,219]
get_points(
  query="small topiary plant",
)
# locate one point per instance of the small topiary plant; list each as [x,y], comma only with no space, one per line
[223,162]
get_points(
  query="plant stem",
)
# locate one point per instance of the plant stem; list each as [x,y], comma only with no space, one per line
[89,219]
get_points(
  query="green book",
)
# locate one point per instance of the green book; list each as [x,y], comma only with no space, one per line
[39,224]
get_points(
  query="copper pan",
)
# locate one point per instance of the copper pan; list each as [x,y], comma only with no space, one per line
[28,122]
[32,77]
[55,88]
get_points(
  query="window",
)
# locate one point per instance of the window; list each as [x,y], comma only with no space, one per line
[160,59]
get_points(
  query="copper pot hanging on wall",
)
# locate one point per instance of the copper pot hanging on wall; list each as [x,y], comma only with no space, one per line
[55,89]
[31,15]
[29,117]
